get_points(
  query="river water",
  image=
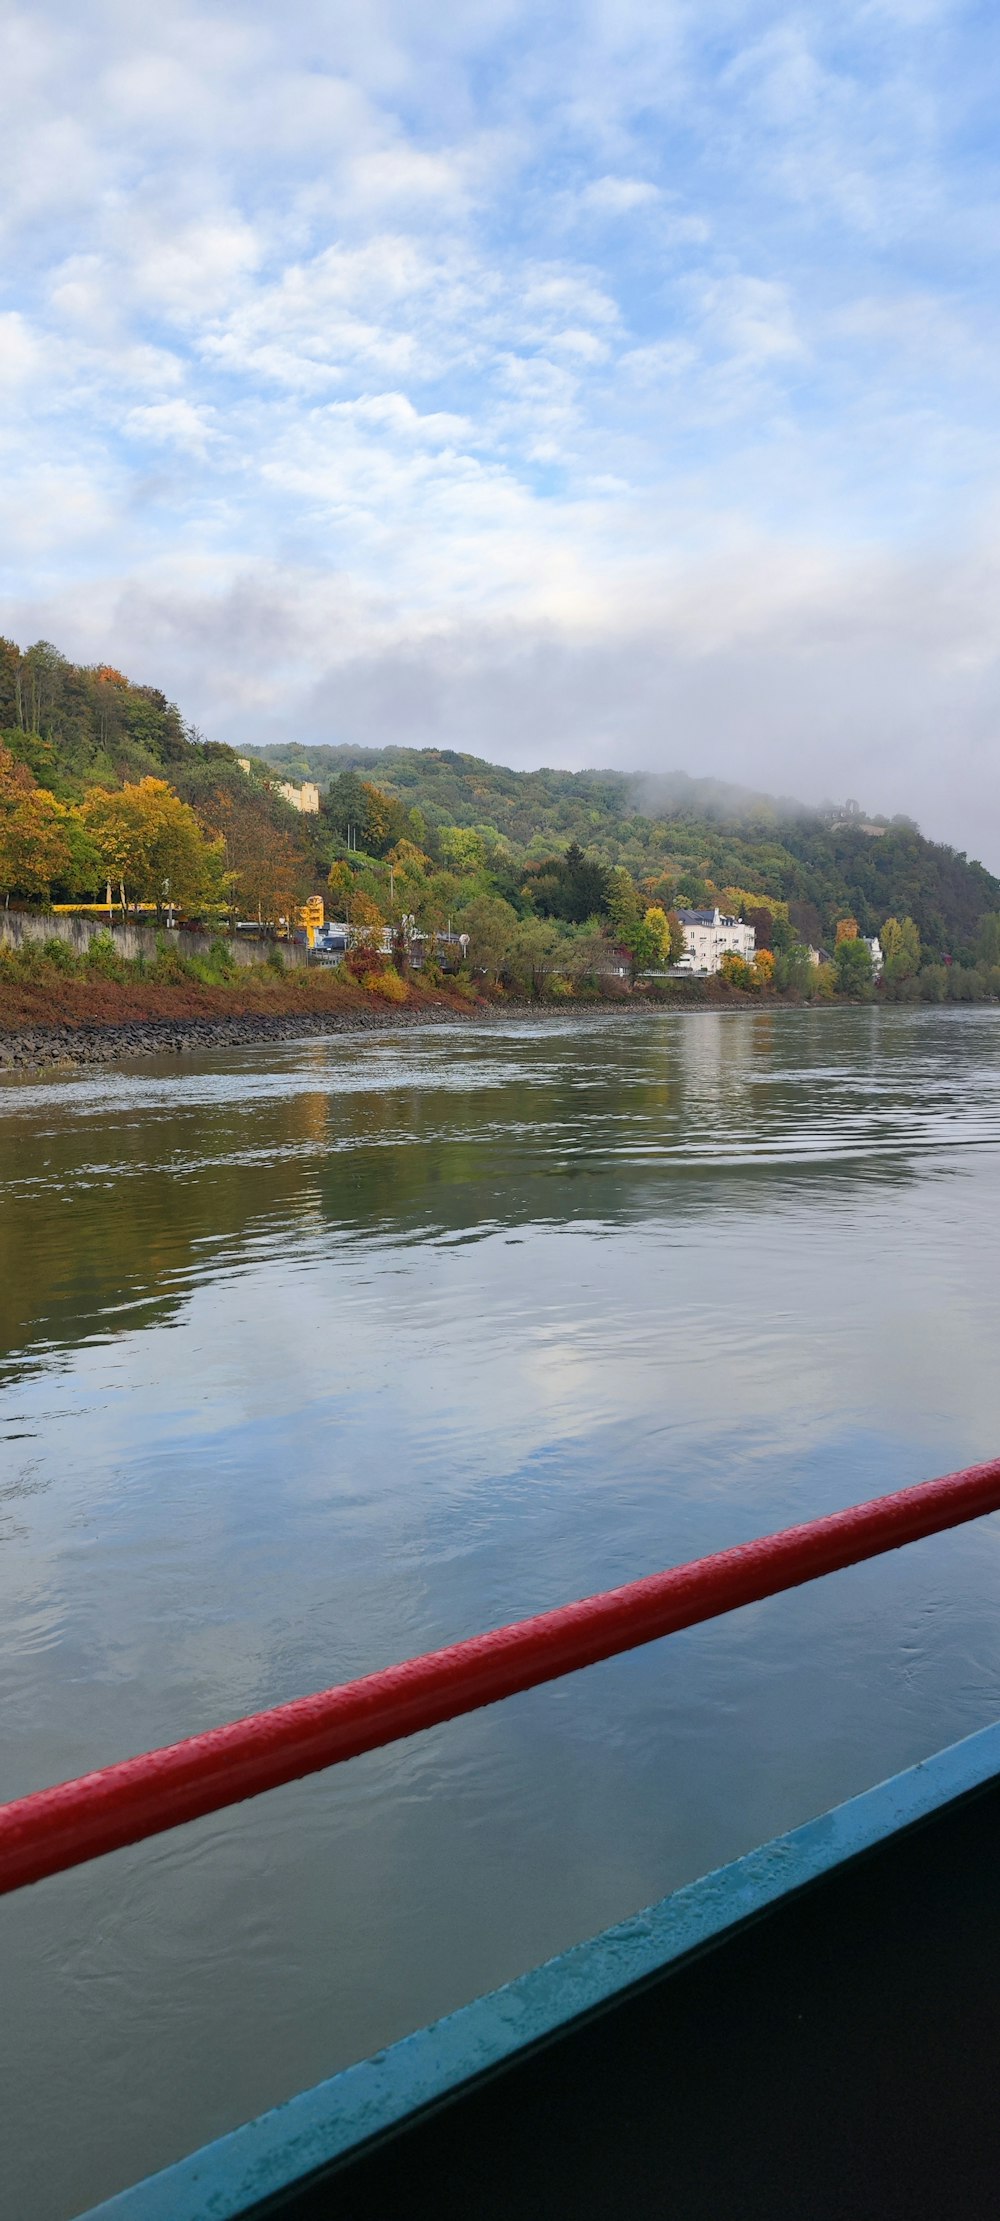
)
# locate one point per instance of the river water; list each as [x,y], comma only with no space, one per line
[319,1355]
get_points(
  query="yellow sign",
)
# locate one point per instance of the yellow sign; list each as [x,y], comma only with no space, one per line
[312,911]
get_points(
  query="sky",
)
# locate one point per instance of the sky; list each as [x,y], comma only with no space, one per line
[605,384]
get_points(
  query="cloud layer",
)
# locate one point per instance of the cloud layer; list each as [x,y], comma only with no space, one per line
[597,384]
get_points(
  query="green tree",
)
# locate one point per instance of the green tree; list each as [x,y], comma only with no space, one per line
[794,970]
[533,954]
[852,964]
[462,848]
[492,927]
[988,938]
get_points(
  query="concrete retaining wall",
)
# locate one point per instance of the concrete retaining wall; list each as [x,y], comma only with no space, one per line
[20,927]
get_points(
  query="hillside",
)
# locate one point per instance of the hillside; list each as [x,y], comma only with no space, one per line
[471,830]
[689,834]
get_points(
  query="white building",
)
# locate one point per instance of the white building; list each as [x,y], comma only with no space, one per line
[874,947]
[305,797]
[709,935]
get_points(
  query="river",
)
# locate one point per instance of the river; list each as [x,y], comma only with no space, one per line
[318,1355]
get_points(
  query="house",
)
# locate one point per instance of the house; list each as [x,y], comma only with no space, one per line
[304,798]
[709,935]
[874,947]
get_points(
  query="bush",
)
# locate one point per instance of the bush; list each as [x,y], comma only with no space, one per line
[933,982]
[387,984]
[964,984]
[59,954]
[275,960]
[219,961]
[103,957]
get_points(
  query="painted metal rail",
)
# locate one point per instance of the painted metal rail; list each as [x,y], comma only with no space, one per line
[58,1828]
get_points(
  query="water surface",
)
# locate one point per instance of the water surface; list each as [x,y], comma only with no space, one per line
[317,1355]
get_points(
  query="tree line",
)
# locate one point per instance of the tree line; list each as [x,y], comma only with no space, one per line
[104,787]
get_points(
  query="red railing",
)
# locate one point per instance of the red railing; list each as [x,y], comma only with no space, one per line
[62,1827]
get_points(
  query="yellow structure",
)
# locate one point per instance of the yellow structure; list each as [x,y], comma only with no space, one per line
[312,915]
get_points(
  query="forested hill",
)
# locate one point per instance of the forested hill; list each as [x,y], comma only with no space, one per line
[686,835]
[73,732]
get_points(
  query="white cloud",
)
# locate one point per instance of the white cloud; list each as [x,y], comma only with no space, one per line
[615,381]
[618,196]
[172,424]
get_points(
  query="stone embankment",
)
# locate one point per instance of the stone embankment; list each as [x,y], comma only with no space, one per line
[30,1048]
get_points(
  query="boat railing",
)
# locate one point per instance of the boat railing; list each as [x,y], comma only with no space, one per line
[51,1830]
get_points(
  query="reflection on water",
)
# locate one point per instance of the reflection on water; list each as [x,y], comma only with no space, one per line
[320,1354]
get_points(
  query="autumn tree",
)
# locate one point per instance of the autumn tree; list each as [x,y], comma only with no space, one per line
[151,845]
[900,948]
[340,881]
[847,930]
[35,833]
[366,921]
[736,971]
[269,874]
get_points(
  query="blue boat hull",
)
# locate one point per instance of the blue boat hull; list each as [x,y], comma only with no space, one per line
[811,2034]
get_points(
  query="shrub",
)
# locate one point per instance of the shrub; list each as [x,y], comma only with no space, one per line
[103,957]
[59,954]
[735,972]
[275,960]
[387,984]
[362,963]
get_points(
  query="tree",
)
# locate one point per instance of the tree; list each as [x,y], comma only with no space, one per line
[533,954]
[852,963]
[462,848]
[366,922]
[762,921]
[151,845]
[269,875]
[764,967]
[492,927]
[988,938]
[794,970]
[847,930]
[365,817]
[900,948]
[35,843]
[340,881]
[735,971]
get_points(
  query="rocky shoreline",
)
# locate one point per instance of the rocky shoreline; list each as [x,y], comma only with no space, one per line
[33,1048]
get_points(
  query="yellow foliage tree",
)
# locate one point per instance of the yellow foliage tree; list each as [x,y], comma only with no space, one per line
[35,846]
[151,845]
[847,929]
[763,965]
[366,922]
[736,899]
[340,881]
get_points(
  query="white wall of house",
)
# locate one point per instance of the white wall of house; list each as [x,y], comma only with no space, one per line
[874,946]
[709,935]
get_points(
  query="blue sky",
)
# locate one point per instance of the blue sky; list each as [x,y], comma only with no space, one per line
[611,383]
